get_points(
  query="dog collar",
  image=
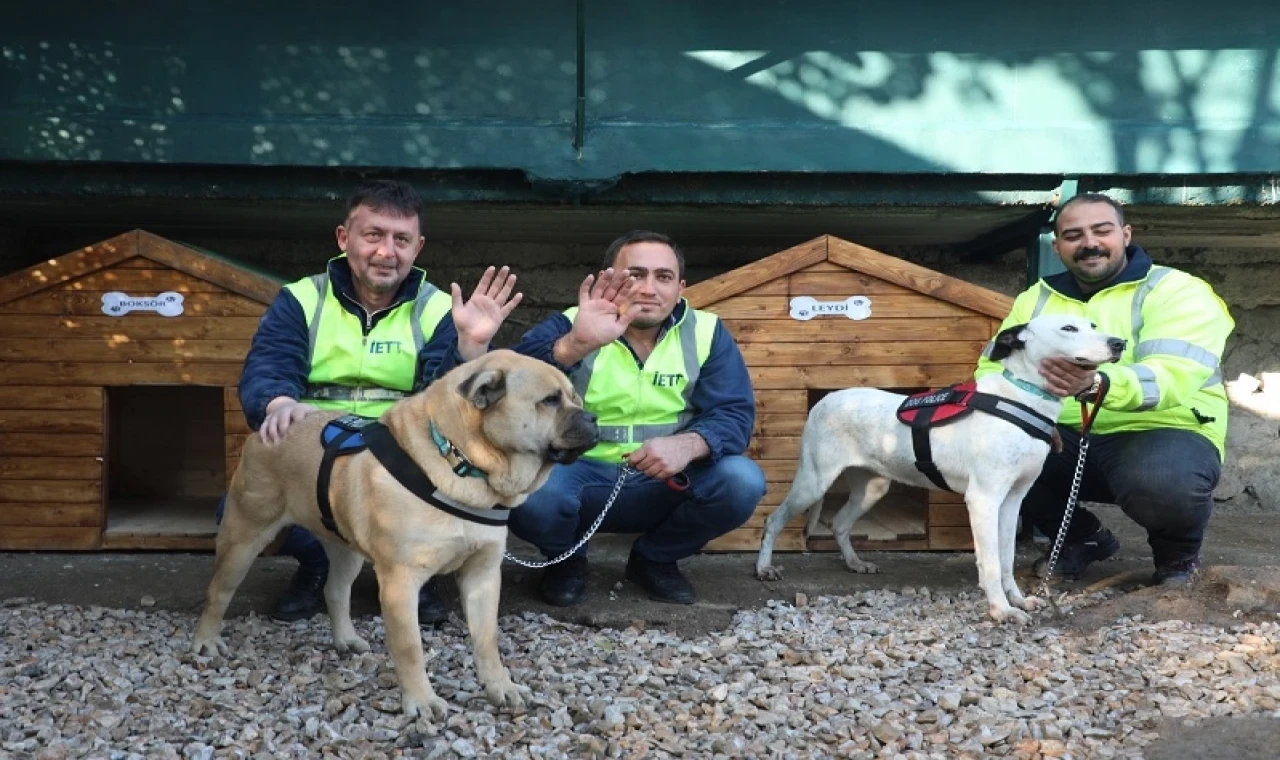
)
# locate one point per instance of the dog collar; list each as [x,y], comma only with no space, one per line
[1028,387]
[462,466]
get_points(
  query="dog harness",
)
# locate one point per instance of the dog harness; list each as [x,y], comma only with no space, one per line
[930,409]
[352,433]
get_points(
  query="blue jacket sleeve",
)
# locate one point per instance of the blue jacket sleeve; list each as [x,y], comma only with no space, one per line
[723,402]
[278,362]
[539,342]
[440,354]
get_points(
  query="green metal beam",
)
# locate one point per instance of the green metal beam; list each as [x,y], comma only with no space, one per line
[1042,260]
[580,104]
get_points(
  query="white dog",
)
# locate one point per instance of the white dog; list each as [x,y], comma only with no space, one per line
[993,462]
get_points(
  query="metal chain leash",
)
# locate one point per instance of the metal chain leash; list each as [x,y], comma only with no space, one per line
[623,472]
[1066,517]
[1087,416]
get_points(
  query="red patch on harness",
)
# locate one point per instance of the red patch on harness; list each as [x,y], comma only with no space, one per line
[947,404]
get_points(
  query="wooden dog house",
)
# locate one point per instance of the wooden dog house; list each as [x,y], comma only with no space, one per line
[829,314]
[119,417]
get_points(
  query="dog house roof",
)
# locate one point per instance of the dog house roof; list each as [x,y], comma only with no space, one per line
[857,258]
[197,262]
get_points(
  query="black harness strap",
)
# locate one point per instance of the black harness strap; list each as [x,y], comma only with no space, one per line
[376,438]
[383,445]
[351,425]
[923,451]
[919,410]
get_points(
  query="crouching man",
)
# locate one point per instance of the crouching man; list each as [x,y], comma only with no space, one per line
[673,400]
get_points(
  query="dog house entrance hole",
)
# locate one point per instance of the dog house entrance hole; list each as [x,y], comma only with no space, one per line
[902,515]
[166,465]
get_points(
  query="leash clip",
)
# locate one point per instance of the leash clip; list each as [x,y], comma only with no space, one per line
[1087,415]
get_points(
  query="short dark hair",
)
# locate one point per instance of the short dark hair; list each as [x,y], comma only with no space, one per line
[642,236]
[387,196]
[1089,198]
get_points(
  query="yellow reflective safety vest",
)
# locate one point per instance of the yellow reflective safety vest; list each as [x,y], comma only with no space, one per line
[634,403]
[364,373]
[1170,375]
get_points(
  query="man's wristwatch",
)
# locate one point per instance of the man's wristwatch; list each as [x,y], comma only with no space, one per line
[1091,393]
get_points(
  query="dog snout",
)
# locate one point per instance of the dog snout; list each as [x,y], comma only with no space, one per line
[579,436]
[585,425]
[1116,345]
[581,430]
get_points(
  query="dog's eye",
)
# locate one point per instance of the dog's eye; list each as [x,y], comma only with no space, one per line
[1070,328]
[552,401]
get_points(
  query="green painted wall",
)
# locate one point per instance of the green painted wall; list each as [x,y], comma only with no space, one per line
[1000,87]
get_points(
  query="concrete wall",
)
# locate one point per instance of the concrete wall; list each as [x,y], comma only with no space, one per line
[1248,279]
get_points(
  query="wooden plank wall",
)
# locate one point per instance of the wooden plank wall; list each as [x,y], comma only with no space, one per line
[910,341]
[57,353]
[51,466]
[237,430]
[949,522]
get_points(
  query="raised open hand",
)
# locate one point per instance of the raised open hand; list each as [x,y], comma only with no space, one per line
[604,308]
[478,319]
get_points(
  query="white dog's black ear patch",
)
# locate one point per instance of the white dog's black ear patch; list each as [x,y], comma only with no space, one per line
[1007,342]
[484,388]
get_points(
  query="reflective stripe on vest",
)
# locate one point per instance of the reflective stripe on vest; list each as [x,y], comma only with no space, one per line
[1045,292]
[347,393]
[1167,346]
[1185,349]
[1140,297]
[627,384]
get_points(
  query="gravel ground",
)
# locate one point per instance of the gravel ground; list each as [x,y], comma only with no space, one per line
[875,674]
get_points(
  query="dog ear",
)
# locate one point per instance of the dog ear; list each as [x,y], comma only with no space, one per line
[1007,342]
[484,388]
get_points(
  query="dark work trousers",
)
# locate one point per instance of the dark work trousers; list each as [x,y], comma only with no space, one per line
[1163,480]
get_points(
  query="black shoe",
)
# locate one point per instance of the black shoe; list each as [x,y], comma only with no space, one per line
[431,608]
[662,580]
[1176,574]
[304,598]
[1074,558]
[564,584]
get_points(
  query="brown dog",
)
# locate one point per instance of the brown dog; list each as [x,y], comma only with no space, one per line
[511,416]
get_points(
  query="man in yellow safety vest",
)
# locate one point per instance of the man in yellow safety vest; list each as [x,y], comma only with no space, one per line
[673,400]
[367,331]
[1157,445]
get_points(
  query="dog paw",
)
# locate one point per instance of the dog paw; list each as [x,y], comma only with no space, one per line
[429,707]
[351,644]
[505,694]
[769,573]
[859,566]
[1008,615]
[209,645]
[1029,603]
